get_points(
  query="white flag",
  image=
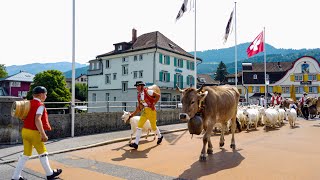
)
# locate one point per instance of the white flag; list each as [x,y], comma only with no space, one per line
[182,9]
[228,28]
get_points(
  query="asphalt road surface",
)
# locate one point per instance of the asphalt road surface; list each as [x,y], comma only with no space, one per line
[281,153]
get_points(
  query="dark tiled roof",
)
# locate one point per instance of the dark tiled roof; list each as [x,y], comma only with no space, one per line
[208,79]
[232,75]
[152,40]
[272,66]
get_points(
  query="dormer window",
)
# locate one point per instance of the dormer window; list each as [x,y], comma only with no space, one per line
[119,47]
[255,76]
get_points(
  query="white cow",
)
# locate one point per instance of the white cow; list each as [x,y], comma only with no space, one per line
[134,124]
[292,116]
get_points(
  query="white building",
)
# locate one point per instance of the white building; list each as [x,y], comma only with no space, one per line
[152,58]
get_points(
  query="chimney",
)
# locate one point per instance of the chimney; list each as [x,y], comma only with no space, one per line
[134,35]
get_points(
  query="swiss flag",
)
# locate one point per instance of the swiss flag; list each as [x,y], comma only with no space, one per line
[256,46]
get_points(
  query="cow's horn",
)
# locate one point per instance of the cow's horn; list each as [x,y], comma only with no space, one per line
[181,91]
[200,89]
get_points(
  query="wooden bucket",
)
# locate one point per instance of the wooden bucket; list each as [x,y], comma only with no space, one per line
[20,109]
[155,88]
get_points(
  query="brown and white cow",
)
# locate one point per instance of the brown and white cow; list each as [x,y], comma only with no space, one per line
[219,105]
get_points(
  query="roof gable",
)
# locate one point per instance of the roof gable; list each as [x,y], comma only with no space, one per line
[152,40]
[21,76]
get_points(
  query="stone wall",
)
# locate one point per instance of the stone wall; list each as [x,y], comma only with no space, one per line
[85,123]
[9,126]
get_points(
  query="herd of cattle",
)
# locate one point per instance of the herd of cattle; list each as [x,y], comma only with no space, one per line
[218,107]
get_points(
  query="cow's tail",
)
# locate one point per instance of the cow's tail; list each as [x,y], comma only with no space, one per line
[238,125]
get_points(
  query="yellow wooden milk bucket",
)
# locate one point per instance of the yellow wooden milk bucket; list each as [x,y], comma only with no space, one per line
[20,109]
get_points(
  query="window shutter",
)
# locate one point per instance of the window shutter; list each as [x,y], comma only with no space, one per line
[250,89]
[181,81]
[188,80]
[306,89]
[175,80]
[175,62]
[305,77]
[192,80]
[262,89]
[279,89]
[318,77]
[160,76]
[188,65]
[292,77]
[192,65]
[182,63]
[160,58]
[318,90]
[168,61]
[168,77]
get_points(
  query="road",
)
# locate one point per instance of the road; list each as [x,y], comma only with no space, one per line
[282,153]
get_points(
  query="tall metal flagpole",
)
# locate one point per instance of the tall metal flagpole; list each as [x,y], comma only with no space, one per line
[235,46]
[265,68]
[195,44]
[73,69]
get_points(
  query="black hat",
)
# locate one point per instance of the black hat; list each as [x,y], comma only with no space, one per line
[138,83]
[39,89]
[304,93]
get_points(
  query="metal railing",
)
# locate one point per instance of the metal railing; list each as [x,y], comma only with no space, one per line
[106,106]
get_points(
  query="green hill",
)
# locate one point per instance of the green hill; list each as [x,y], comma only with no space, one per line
[79,71]
[211,58]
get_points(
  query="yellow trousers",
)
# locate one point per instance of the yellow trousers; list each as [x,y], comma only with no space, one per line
[148,113]
[32,138]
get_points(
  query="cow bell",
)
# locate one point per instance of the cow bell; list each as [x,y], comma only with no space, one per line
[195,125]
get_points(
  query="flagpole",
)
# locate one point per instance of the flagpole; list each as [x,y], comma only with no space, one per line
[265,67]
[73,69]
[235,46]
[195,44]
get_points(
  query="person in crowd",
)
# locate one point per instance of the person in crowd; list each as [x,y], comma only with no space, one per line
[34,135]
[147,100]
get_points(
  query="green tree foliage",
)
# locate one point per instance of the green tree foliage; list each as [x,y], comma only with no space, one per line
[55,83]
[3,72]
[81,91]
[221,72]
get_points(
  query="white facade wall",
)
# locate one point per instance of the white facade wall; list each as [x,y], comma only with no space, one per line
[150,66]
[285,82]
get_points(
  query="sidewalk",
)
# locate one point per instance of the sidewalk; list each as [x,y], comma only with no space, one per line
[10,153]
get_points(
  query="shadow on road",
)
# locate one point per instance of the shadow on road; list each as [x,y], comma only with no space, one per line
[132,153]
[217,162]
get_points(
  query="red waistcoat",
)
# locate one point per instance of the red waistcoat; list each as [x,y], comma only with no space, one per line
[29,122]
[148,99]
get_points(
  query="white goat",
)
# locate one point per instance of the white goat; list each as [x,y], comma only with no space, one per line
[134,124]
[292,116]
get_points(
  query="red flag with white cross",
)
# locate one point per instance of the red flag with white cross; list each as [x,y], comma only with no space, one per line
[256,46]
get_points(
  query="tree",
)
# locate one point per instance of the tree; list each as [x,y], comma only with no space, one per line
[55,83]
[3,72]
[221,72]
[81,91]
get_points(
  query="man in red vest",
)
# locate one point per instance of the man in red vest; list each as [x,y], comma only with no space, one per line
[274,99]
[279,99]
[147,100]
[33,135]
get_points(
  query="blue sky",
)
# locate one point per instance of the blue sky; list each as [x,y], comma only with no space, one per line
[41,30]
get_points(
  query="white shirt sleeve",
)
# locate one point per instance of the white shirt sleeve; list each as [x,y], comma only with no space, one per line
[40,110]
[150,92]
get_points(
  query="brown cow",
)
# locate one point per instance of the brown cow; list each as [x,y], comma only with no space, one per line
[219,105]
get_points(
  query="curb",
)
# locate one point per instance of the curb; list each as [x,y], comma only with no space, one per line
[94,145]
